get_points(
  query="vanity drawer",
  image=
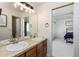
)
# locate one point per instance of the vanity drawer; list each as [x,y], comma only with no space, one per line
[31,52]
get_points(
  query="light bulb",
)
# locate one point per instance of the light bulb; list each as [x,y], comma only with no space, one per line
[26,10]
[15,5]
[21,8]
[33,11]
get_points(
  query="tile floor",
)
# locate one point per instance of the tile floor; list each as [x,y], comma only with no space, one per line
[62,49]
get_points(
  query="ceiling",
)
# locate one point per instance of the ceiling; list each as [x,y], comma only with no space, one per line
[35,4]
[64,12]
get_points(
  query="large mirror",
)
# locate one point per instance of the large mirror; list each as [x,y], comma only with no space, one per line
[17,22]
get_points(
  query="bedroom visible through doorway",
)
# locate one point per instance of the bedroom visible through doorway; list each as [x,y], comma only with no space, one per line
[62,42]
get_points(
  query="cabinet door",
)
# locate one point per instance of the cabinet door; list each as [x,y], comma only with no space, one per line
[31,52]
[45,48]
[40,50]
[23,55]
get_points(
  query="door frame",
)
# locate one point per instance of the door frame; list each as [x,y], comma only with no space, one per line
[52,17]
[20,24]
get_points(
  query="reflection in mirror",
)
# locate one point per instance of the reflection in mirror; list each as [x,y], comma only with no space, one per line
[26,26]
[17,22]
[16,27]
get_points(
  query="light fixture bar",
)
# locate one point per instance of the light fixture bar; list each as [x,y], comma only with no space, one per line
[28,5]
[25,6]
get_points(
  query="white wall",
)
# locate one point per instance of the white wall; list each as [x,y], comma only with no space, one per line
[76,29]
[44,16]
[34,22]
[60,28]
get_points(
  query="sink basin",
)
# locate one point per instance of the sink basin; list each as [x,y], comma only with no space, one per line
[17,46]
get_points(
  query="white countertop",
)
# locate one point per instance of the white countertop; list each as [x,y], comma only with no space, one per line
[32,42]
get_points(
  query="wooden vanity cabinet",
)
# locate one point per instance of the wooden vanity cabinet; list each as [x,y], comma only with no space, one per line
[31,52]
[40,50]
[22,55]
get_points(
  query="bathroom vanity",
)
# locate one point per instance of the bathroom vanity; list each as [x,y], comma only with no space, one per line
[39,50]
[37,47]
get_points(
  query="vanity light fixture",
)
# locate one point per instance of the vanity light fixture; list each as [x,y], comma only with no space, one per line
[24,6]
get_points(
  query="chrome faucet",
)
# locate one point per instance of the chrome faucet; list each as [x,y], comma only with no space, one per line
[13,40]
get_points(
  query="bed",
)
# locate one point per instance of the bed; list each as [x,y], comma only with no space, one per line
[69,37]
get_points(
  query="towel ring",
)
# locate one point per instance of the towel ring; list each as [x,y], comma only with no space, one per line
[46,25]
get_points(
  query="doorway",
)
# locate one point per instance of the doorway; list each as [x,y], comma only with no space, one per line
[62,42]
[16,26]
